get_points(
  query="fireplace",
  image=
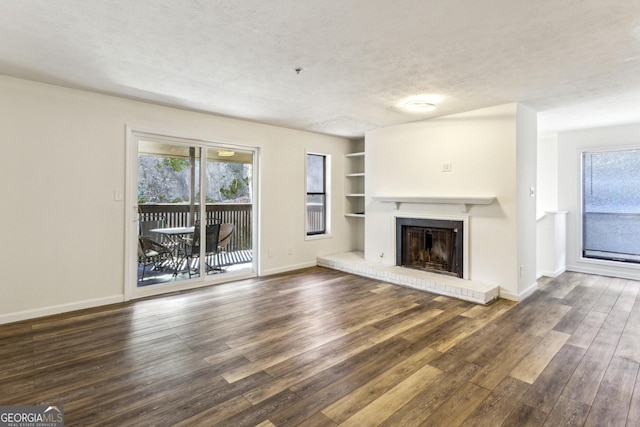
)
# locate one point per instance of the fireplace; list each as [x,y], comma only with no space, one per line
[433,245]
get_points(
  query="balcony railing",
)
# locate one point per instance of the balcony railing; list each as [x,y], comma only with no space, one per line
[239,214]
[315,218]
[183,215]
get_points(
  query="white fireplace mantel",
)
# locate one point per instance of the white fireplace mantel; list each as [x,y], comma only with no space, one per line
[464,202]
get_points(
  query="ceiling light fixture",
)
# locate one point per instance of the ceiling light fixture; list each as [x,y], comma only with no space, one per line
[419,105]
[226,153]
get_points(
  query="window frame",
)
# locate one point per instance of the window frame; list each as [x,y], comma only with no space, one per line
[326,232]
[581,227]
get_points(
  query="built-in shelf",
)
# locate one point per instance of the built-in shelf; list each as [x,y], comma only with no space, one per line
[354,185]
[358,154]
[464,202]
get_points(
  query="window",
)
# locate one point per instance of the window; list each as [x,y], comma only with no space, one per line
[611,205]
[316,203]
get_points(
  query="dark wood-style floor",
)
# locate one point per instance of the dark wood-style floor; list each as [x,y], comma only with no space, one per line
[321,348]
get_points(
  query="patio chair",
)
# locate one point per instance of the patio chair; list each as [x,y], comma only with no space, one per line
[151,253]
[212,233]
[147,226]
[226,232]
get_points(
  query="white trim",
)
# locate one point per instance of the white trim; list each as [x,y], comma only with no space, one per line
[463,201]
[616,268]
[327,199]
[164,288]
[521,296]
[60,308]
[548,273]
[465,234]
[287,268]
[131,213]
[318,236]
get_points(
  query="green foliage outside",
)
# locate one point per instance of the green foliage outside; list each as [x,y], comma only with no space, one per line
[234,188]
[168,180]
[178,165]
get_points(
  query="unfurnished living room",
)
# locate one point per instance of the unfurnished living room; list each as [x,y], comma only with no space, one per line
[320,213]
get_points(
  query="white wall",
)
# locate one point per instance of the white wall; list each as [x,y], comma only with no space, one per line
[551,224]
[547,194]
[526,166]
[570,145]
[482,147]
[63,156]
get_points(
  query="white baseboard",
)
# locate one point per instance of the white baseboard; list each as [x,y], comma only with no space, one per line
[602,270]
[57,309]
[287,268]
[522,295]
[548,273]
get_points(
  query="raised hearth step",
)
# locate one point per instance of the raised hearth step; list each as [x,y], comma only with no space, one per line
[468,290]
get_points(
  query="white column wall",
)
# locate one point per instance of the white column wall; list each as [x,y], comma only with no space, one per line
[481,145]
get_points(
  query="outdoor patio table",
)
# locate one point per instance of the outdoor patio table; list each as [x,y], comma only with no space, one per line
[177,237]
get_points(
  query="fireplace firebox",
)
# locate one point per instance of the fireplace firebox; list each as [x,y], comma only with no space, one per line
[433,245]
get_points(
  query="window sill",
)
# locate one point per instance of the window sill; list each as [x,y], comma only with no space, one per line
[318,236]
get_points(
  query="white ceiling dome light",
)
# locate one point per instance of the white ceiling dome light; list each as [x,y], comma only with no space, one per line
[420,103]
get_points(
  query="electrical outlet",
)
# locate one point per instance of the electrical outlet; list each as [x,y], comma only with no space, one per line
[446,167]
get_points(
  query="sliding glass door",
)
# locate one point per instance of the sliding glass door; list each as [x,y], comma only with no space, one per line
[194,211]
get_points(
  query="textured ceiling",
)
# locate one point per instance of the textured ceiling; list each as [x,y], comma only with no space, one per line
[577,62]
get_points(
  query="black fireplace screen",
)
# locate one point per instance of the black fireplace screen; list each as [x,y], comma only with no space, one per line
[430,245]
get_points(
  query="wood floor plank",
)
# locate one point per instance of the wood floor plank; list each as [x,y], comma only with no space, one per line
[633,419]
[497,406]
[458,407]
[611,404]
[425,403]
[536,360]
[241,372]
[546,389]
[468,328]
[389,402]
[409,323]
[504,362]
[567,412]
[525,416]
[292,372]
[608,299]
[583,384]
[588,329]
[318,347]
[364,395]
[553,316]
[628,296]
[324,389]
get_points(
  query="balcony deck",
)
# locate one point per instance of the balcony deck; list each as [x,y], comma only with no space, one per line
[238,252]
[227,261]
